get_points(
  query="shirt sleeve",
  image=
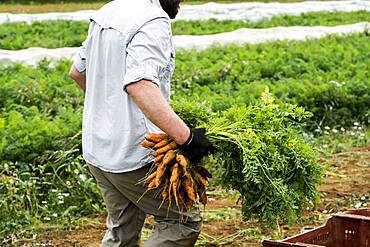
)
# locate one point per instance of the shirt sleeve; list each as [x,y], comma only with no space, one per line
[79,60]
[148,53]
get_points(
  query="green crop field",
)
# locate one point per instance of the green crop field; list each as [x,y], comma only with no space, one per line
[41,112]
[54,34]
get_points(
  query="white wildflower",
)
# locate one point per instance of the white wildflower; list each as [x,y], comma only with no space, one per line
[82,177]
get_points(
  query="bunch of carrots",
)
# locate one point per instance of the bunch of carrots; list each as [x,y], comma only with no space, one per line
[174,174]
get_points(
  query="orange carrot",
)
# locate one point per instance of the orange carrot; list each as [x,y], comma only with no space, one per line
[158,158]
[188,187]
[184,199]
[151,176]
[202,195]
[175,173]
[171,145]
[156,137]
[202,180]
[169,157]
[183,162]
[204,172]
[175,193]
[160,172]
[162,143]
[165,189]
[147,144]
[165,193]
[152,185]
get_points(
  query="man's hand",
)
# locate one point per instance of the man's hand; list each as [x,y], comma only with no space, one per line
[78,77]
[197,146]
[152,103]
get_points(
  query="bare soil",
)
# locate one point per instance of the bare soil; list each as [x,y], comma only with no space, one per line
[346,185]
[44,8]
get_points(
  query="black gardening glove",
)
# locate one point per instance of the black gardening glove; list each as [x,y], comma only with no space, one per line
[197,146]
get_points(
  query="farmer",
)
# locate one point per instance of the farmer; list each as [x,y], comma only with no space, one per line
[125,67]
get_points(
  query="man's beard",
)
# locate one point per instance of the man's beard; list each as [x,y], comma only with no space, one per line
[171,7]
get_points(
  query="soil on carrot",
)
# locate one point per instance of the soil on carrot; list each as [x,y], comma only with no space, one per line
[346,185]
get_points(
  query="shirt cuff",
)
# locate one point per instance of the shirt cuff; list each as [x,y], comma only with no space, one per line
[79,63]
[147,73]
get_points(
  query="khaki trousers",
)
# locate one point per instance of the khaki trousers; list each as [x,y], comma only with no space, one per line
[126,213]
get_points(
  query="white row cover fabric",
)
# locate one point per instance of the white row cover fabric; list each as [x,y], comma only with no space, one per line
[249,11]
[253,36]
[256,11]
[241,36]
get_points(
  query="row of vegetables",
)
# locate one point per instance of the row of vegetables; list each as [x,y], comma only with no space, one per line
[66,33]
[254,100]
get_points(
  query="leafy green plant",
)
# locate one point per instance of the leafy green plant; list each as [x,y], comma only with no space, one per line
[262,154]
[43,177]
[55,187]
[26,134]
[65,33]
[220,214]
[329,76]
[49,34]
[47,88]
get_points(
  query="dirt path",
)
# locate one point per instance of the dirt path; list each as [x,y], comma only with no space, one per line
[346,185]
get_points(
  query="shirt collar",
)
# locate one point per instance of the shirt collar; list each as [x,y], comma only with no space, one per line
[156,3]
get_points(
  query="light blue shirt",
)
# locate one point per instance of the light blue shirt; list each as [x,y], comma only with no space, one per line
[127,41]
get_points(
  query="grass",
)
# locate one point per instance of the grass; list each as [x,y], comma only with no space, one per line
[221,214]
[335,140]
[55,34]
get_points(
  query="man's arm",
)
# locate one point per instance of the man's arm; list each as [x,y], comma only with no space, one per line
[150,100]
[78,77]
